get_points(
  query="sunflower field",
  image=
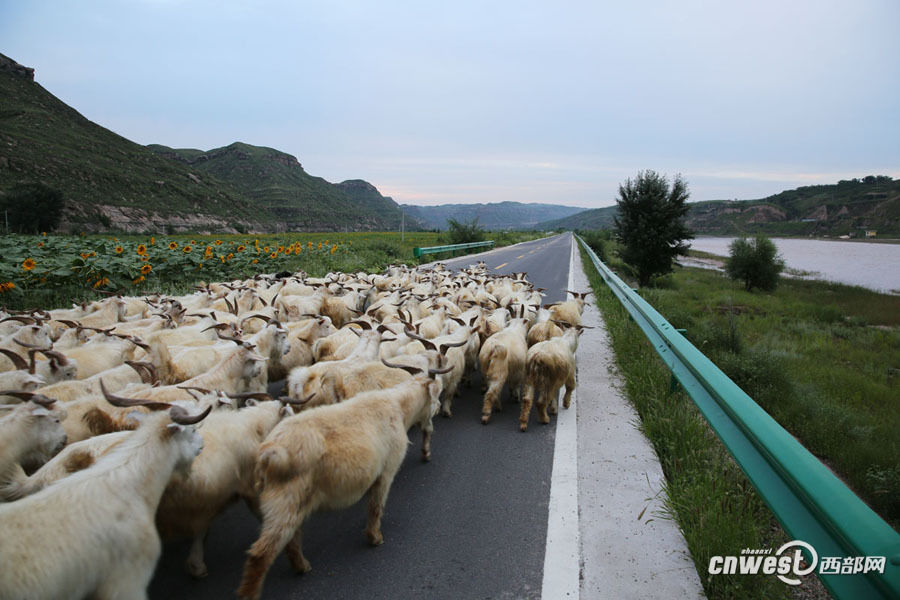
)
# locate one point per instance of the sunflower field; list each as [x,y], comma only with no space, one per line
[55,270]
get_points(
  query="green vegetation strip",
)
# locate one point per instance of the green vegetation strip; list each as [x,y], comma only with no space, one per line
[810,502]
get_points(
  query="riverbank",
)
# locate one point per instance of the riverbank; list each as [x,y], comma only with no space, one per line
[873,265]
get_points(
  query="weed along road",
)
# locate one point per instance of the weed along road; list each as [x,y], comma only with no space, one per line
[472,523]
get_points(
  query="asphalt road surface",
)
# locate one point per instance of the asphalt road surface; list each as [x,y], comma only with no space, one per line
[471,523]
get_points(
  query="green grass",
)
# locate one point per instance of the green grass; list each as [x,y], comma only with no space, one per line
[708,495]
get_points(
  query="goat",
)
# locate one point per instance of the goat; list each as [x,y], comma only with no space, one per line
[328,458]
[548,366]
[502,360]
[66,541]
[31,433]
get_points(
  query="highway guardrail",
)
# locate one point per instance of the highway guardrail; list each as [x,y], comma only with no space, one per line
[417,252]
[812,504]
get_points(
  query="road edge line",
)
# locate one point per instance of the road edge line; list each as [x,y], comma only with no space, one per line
[562,556]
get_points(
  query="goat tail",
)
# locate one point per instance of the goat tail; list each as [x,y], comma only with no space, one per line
[277,464]
[496,365]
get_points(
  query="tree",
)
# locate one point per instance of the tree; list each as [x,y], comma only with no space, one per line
[650,224]
[755,262]
[464,233]
[33,207]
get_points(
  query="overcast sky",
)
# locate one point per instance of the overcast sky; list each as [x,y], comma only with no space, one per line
[485,101]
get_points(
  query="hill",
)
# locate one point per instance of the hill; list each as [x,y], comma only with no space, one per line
[112,183]
[288,198]
[848,207]
[499,215]
[108,181]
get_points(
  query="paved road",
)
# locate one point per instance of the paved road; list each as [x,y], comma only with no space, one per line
[472,523]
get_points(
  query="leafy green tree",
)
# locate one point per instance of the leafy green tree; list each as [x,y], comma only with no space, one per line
[755,262]
[32,207]
[466,232]
[650,224]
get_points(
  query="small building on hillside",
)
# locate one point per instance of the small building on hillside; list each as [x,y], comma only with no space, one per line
[871,233]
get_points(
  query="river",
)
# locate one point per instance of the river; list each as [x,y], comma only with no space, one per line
[872,265]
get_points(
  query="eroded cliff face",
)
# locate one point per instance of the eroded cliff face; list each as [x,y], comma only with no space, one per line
[97,219]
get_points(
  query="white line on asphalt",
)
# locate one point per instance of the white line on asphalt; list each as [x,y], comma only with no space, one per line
[562,557]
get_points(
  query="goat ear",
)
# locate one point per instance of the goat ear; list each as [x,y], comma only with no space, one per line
[173,428]
[40,411]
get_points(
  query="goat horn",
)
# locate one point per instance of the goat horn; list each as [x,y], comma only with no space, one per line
[27,345]
[255,316]
[141,370]
[230,339]
[363,324]
[433,372]
[253,395]
[59,357]
[183,417]
[29,396]
[218,326]
[191,387]
[445,347]
[67,323]
[25,320]
[289,400]
[407,368]
[121,402]
[16,359]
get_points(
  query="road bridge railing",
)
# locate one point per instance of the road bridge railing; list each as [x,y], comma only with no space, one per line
[810,502]
[417,252]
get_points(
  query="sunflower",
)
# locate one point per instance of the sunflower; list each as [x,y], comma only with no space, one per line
[230,255]
[119,249]
[310,245]
[208,253]
[29,264]
[152,241]
[40,244]
[173,245]
[255,260]
[101,282]
[222,258]
[281,248]
[241,248]
[141,249]
[5,287]
[186,249]
[138,280]
[320,245]
[85,255]
[146,269]
[333,248]
[273,255]
[218,242]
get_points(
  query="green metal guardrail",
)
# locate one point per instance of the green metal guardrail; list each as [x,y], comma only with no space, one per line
[417,252]
[811,503]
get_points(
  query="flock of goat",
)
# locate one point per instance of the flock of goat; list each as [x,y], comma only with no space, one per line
[129,421]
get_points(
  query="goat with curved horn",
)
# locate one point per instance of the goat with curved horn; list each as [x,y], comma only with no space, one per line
[29,397]
[16,359]
[409,369]
[120,402]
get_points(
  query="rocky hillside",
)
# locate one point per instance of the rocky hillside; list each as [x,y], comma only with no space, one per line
[109,182]
[499,215]
[290,198]
[849,207]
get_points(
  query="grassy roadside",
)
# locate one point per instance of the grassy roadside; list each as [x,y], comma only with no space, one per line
[713,502]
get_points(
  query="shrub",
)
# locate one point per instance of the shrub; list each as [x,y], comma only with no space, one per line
[465,233]
[595,239]
[33,207]
[755,262]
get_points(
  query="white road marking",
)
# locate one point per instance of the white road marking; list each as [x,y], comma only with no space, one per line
[562,557]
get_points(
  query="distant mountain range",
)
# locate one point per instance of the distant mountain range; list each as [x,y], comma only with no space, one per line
[113,184]
[499,215]
[849,207]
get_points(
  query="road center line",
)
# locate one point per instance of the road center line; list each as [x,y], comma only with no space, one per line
[520,256]
[562,557]
[501,266]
